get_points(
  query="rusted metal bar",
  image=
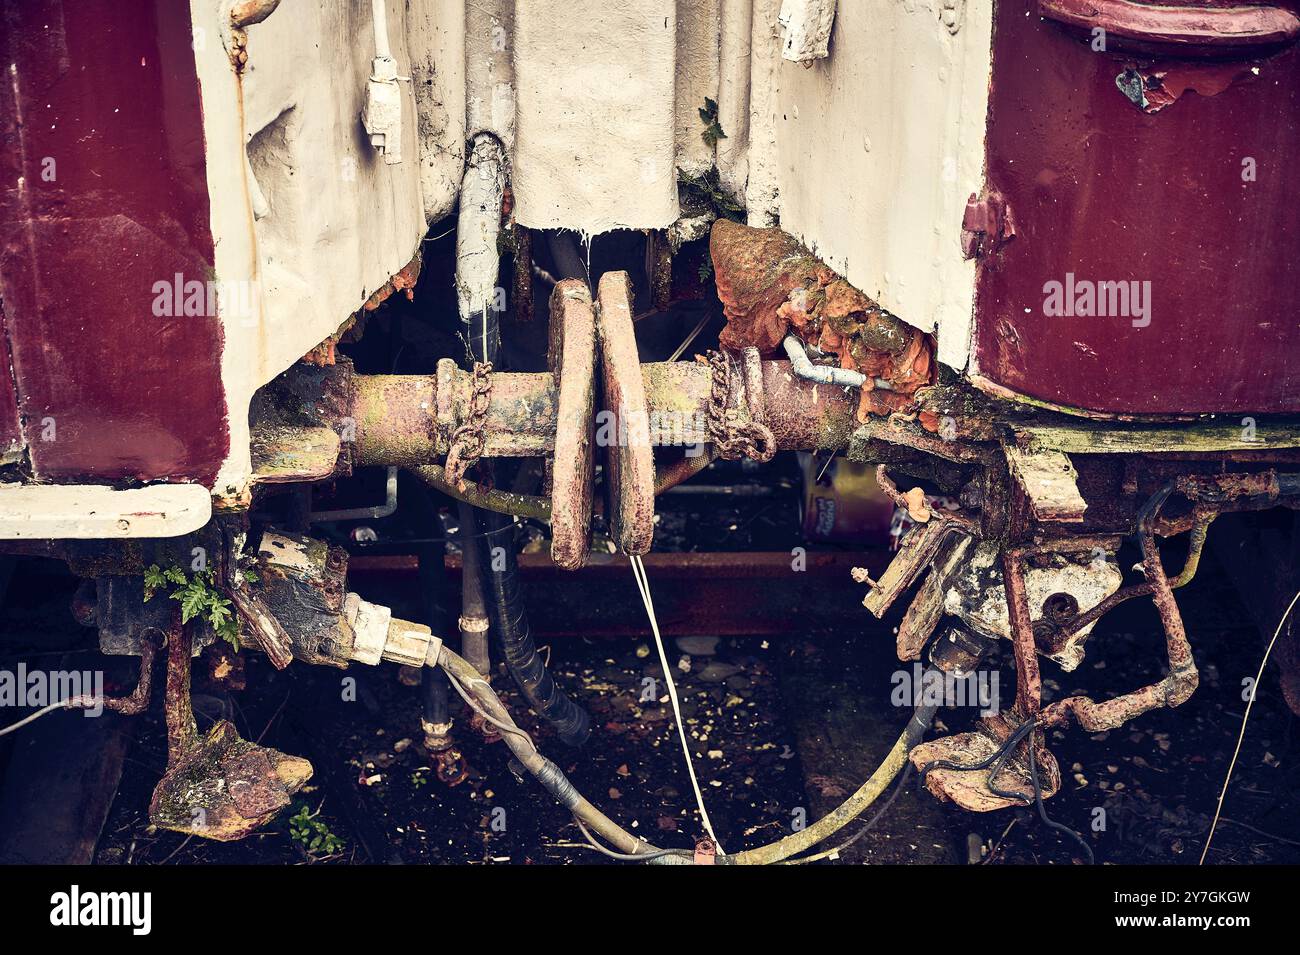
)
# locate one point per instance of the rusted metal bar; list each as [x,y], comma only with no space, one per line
[1179,684]
[1029,683]
[182,733]
[629,458]
[406,420]
[573,335]
[492,499]
[913,502]
[1196,546]
[137,701]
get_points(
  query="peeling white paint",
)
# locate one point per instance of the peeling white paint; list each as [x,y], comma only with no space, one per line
[879,148]
[337,222]
[805,29]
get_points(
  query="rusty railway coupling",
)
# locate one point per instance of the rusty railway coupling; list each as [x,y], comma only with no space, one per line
[1015,520]
[1017,514]
[599,400]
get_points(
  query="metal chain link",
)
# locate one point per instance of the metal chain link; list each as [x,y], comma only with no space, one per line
[469,440]
[734,439]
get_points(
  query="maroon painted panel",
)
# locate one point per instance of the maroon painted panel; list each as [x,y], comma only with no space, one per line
[102,194]
[1103,191]
[11,434]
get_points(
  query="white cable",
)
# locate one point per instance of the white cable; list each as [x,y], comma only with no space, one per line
[33,717]
[643,585]
[379,14]
[1254,688]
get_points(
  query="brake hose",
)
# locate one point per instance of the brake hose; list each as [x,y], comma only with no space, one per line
[467,681]
[851,808]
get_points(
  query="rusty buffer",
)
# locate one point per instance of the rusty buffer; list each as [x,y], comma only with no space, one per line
[771,286]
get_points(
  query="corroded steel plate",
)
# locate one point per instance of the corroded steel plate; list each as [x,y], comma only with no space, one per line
[573,322]
[624,425]
[970,789]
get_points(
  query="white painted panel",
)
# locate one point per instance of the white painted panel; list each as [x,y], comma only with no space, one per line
[92,511]
[878,148]
[333,221]
[595,124]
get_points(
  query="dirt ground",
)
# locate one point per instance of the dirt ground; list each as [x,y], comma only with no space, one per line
[782,730]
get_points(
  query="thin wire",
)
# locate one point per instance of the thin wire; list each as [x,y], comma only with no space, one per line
[33,717]
[1244,718]
[643,585]
[1042,811]
[828,853]
[691,337]
[455,685]
[1020,732]
[824,467]
[623,856]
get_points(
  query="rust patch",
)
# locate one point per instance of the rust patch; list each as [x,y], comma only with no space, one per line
[771,286]
[220,787]
[629,458]
[1155,87]
[403,281]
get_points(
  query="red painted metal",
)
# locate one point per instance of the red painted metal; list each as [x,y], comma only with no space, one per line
[986,226]
[11,432]
[102,194]
[1198,197]
[1195,31]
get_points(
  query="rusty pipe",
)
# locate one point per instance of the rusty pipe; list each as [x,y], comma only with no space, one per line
[1182,679]
[1196,545]
[407,420]
[1029,683]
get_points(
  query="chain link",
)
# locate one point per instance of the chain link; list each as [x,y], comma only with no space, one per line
[734,439]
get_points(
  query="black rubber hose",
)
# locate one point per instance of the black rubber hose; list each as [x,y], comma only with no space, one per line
[500,574]
[435,708]
[498,571]
[435,592]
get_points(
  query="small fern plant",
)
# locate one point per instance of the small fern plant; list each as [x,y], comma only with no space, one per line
[198,596]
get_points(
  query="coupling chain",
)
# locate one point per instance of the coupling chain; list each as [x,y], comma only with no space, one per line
[733,439]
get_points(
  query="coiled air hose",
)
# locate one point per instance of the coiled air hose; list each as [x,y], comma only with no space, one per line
[500,574]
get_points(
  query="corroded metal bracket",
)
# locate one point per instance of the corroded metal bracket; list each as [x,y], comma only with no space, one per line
[629,457]
[220,787]
[573,325]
